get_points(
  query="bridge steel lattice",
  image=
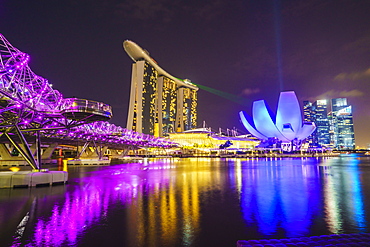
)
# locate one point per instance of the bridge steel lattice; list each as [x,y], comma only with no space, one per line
[30,107]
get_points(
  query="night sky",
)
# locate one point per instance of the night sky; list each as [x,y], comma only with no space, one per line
[251,49]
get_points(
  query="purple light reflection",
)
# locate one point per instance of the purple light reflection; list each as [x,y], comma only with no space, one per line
[81,208]
[284,196]
[88,203]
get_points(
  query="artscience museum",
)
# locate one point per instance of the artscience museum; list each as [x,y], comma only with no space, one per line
[284,130]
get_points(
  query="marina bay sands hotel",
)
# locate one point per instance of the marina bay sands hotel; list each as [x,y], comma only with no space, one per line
[159,102]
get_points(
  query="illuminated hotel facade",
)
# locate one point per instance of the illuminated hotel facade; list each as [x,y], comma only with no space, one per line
[159,102]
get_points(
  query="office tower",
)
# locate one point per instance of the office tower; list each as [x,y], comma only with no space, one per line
[321,135]
[159,102]
[317,112]
[308,117]
[342,121]
[307,111]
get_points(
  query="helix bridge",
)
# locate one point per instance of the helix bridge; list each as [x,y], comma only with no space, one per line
[31,110]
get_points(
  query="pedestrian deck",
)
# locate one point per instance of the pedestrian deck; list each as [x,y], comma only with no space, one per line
[355,239]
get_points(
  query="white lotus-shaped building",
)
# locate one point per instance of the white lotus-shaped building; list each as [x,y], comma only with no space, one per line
[286,126]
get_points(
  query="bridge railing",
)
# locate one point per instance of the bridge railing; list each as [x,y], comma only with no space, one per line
[75,105]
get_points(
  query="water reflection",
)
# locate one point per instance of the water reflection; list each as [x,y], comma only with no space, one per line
[281,194]
[157,212]
[189,202]
[291,194]
[343,194]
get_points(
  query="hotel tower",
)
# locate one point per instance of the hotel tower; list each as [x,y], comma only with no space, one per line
[159,102]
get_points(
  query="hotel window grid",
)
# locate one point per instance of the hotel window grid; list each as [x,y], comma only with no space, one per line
[158,106]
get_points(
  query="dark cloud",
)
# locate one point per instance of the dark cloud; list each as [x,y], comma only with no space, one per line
[160,11]
[331,94]
[354,76]
[358,46]
[308,59]
[302,8]
[250,91]
[146,10]
[259,62]
[209,10]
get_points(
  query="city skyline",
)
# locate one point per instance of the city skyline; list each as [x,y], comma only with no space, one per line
[247,50]
[334,125]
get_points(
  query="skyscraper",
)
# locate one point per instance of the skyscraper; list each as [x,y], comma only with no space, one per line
[321,135]
[308,117]
[317,112]
[334,128]
[342,121]
[159,102]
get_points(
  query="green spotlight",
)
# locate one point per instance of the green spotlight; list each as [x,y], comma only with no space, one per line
[232,97]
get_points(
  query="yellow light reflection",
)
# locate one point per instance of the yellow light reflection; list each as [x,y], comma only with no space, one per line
[238,176]
[165,202]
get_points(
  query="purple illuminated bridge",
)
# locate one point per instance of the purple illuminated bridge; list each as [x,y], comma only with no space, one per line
[31,109]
